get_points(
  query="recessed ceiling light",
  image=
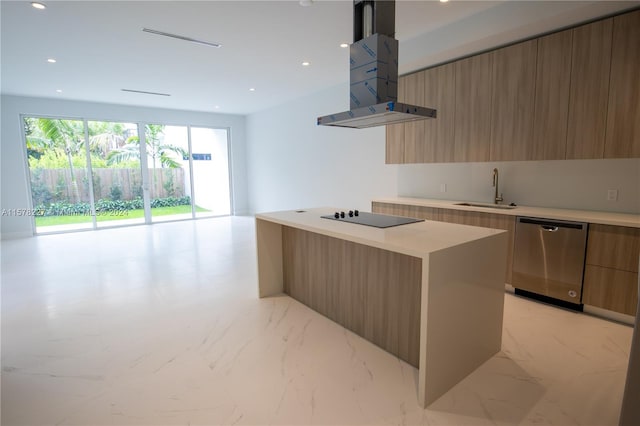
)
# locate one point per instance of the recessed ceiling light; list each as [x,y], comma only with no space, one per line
[343,45]
[306,3]
[443,1]
[51,61]
[252,89]
[38,5]
[59,90]
[306,64]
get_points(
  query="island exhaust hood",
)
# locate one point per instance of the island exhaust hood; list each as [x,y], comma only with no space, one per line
[374,72]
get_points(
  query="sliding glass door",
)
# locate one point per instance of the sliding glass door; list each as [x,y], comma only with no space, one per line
[91,174]
[117,176]
[168,168]
[58,171]
[210,153]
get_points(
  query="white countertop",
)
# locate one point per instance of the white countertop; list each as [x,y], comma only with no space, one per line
[604,218]
[415,239]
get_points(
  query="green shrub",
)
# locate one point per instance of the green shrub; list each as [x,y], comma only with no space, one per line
[68,209]
[115,193]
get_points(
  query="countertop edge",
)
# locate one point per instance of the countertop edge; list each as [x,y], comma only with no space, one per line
[372,242]
[596,217]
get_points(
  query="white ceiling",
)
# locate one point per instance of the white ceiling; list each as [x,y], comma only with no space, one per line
[100,48]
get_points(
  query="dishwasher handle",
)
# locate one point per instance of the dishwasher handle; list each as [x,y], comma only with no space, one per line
[552,225]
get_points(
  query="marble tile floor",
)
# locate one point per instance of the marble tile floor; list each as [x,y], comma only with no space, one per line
[161,325]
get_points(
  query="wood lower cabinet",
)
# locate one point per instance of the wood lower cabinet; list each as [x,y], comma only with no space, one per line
[419,212]
[611,289]
[485,220]
[611,271]
[616,247]
[611,263]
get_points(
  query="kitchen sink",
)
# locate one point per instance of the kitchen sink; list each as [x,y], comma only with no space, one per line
[487,205]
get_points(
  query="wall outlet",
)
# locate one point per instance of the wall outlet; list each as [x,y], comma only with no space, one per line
[612,195]
[443,187]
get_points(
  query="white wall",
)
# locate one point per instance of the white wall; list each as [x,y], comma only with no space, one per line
[293,163]
[572,184]
[14,181]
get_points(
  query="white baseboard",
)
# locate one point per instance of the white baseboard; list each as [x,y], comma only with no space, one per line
[15,235]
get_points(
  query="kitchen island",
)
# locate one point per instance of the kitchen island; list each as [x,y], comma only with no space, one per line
[431,293]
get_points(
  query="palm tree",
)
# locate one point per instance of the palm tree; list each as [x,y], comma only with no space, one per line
[105,136]
[61,136]
[156,149]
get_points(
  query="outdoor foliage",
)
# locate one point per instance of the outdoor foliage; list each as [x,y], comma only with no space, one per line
[156,148]
[52,160]
[58,144]
[104,205]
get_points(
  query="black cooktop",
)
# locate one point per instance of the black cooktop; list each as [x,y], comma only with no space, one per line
[371,219]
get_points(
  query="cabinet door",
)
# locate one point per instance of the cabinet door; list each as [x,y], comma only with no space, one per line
[623,118]
[512,101]
[414,130]
[394,146]
[589,93]
[552,97]
[439,84]
[616,247]
[473,108]
[611,289]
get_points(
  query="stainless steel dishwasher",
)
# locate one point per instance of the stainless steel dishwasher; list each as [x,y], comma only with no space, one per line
[548,259]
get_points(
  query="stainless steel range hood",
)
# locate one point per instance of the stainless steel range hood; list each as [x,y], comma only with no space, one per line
[374,72]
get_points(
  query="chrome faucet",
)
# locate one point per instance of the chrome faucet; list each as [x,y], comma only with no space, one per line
[496,199]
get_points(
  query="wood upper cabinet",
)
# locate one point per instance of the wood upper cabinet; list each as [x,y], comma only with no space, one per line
[439,84]
[552,97]
[589,92]
[512,100]
[425,141]
[414,131]
[473,108]
[623,116]
[394,147]
[573,94]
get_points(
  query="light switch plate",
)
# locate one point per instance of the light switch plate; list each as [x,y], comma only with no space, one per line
[443,187]
[612,195]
